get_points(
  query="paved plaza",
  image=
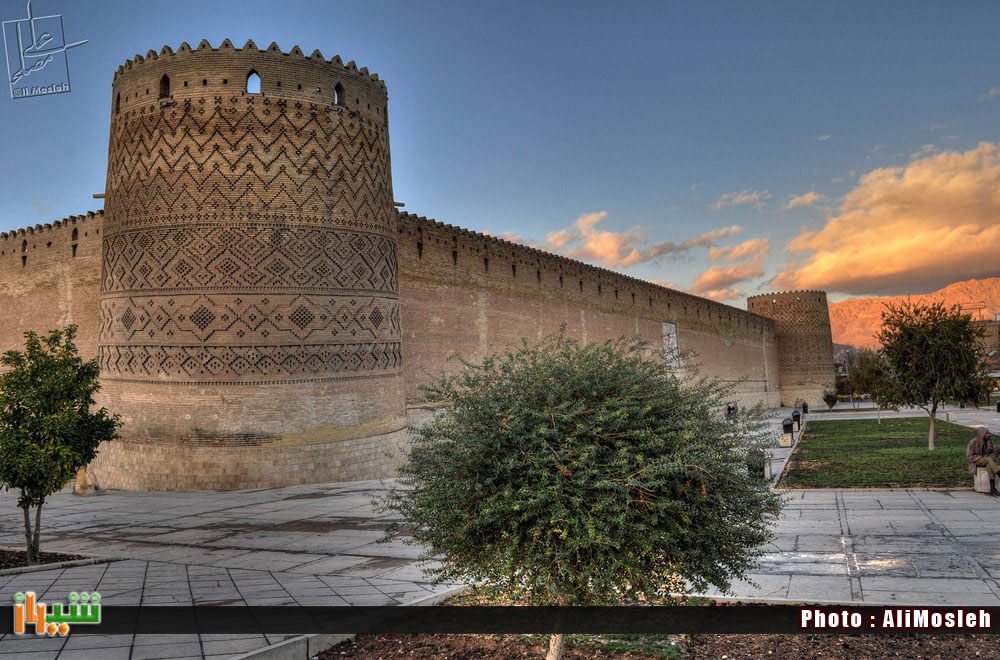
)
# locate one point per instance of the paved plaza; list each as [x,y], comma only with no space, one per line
[316,545]
[883,546]
[306,545]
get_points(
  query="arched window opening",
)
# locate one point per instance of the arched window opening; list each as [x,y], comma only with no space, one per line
[338,94]
[253,83]
[76,233]
[118,103]
[24,246]
[164,86]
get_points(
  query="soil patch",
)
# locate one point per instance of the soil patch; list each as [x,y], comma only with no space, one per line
[698,647]
[19,559]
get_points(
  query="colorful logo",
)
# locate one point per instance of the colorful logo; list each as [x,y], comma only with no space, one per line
[83,608]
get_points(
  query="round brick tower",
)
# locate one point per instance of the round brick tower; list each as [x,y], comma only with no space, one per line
[805,343]
[249,306]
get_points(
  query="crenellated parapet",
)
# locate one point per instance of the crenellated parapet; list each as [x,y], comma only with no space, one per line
[169,76]
[68,221]
[495,257]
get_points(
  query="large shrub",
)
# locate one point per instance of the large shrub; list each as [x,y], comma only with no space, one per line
[568,473]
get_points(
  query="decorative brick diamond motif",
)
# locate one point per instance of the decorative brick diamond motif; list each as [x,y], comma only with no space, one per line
[202,317]
[302,317]
[248,237]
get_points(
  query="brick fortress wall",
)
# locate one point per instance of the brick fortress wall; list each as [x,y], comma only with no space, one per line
[249,310]
[262,315]
[464,293]
[50,277]
[805,343]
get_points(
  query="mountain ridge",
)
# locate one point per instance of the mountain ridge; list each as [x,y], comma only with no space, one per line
[856,321]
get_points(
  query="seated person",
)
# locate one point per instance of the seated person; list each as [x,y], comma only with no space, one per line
[981,452]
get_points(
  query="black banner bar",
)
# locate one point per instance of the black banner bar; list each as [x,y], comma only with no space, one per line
[737,619]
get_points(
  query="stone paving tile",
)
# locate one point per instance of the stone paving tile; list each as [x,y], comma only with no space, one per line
[930,598]
[898,546]
[81,642]
[185,650]
[112,653]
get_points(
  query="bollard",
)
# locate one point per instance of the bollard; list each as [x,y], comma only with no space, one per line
[797,418]
[805,408]
[787,433]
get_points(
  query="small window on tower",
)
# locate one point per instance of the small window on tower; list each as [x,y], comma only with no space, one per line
[338,94]
[253,83]
[164,86]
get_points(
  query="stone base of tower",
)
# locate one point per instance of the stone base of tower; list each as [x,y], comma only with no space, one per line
[254,435]
[813,395]
[156,467]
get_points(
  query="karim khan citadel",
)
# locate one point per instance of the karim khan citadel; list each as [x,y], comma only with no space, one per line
[263,314]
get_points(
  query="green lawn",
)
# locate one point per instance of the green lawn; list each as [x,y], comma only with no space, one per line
[860,453]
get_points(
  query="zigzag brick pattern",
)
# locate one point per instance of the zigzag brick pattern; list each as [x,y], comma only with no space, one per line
[264,226]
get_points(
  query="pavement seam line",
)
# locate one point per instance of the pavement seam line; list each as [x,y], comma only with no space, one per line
[956,545]
[850,558]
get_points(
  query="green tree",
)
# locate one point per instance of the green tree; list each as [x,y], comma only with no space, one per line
[47,427]
[934,353]
[855,386]
[575,474]
[876,380]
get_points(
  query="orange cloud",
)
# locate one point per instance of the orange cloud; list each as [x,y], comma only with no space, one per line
[622,249]
[746,261]
[804,200]
[515,238]
[907,229]
[755,248]
[722,294]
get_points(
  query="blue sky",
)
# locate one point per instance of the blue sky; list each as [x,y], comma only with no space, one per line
[633,135]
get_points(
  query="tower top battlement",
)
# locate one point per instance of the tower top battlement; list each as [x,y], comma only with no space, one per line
[159,78]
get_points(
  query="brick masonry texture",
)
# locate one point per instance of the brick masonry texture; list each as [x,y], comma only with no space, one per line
[805,343]
[263,316]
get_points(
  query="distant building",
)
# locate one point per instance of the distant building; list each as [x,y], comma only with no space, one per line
[992,342]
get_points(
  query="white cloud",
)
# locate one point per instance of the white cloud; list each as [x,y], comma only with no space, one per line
[923,151]
[824,138]
[992,93]
[754,197]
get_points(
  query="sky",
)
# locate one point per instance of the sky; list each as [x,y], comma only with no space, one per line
[722,148]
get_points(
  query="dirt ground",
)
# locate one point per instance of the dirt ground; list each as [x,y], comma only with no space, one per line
[799,647]
[18,559]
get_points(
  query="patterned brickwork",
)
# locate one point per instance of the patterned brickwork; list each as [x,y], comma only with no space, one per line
[249,281]
[805,342]
[273,201]
[254,299]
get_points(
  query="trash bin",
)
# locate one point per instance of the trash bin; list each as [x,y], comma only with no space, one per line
[805,408]
[797,418]
[787,426]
